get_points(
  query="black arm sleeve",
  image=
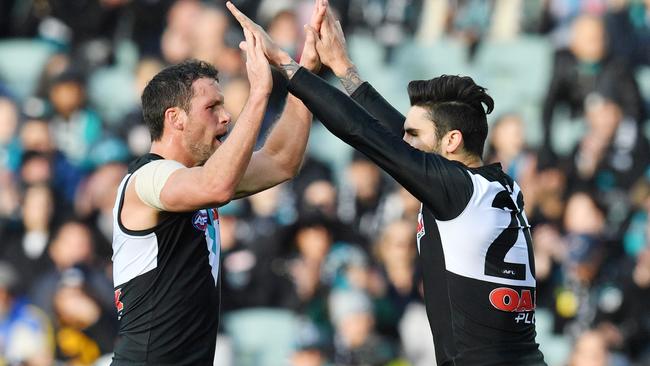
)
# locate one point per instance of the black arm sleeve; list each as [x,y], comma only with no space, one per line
[378,107]
[445,187]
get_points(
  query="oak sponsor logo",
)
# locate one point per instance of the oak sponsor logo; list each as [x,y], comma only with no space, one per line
[510,300]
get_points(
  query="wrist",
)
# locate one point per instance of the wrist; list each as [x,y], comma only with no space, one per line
[284,59]
[340,69]
[289,69]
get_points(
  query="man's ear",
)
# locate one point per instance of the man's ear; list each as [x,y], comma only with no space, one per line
[175,118]
[454,139]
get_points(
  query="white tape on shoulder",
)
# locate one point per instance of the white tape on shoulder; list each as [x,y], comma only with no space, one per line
[151,178]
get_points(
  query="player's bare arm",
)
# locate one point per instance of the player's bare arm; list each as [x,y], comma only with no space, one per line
[281,156]
[213,182]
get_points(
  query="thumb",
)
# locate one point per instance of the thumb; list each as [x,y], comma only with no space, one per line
[242,46]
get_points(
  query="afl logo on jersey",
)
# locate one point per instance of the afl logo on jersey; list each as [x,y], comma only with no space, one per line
[200,220]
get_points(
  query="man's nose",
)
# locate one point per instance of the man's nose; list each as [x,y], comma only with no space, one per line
[226,118]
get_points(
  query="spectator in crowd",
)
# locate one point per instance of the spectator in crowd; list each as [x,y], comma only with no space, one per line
[399,205]
[327,230]
[284,29]
[313,239]
[25,332]
[311,348]
[576,297]
[397,283]
[361,195]
[176,39]
[507,146]
[94,205]
[132,128]
[610,158]
[355,341]
[320,195]
[84,329]
[590,350]
[26,245]
[251,246]
[586,67]
[623,316]
[72,246]
[629,30]
[74,126]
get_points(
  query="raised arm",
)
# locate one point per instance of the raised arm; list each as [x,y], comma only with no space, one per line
[214,183]
[281,156]
[189,136]
[441,184]
[332,50]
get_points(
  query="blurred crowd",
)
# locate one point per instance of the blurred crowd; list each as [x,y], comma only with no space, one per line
[323,270]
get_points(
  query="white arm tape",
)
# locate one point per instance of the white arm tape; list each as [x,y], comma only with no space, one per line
[150,180]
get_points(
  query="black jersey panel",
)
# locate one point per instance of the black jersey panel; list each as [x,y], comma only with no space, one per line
[436,291]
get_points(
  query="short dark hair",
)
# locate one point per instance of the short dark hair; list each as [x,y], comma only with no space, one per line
[455,103]
[172,87]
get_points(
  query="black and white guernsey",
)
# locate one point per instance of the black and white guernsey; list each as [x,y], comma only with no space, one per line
[166,286]
[473,238]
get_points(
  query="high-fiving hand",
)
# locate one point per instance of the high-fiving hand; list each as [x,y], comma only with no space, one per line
[276,56]
[273,52]
[309,57]
[330,44]
[257,66]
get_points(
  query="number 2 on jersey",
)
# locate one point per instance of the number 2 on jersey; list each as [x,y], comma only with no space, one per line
[495,264]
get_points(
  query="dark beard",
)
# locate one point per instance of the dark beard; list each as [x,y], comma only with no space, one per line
[201,153]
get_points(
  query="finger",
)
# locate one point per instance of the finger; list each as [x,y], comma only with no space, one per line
[258,46]
[314,10]
[328,21]
[318,16]
[241,18]
[250,44]
[339,30]
[243,46]
[329,14]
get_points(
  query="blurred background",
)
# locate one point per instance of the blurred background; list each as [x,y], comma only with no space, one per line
[322,270]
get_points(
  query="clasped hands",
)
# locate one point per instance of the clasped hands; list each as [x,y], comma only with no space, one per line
[324,42]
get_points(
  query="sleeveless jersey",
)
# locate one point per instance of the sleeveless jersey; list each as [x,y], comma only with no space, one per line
[166,286]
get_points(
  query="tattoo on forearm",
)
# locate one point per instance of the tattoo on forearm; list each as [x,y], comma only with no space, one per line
[351,81]
[289,69]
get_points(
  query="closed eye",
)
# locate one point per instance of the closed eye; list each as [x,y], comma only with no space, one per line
[215,104]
